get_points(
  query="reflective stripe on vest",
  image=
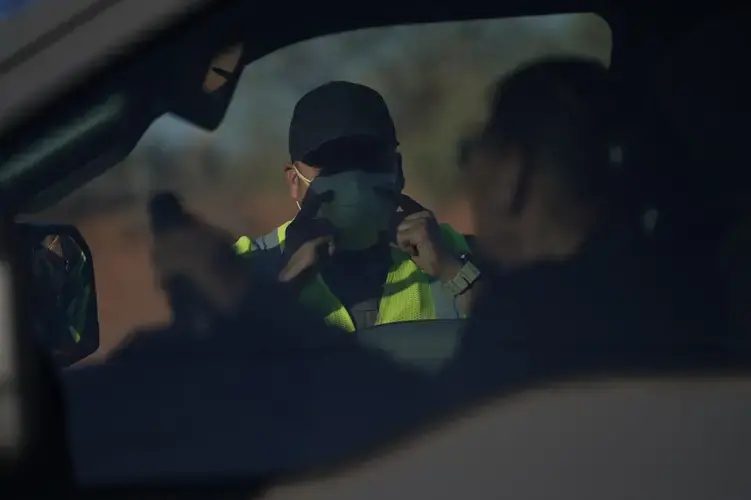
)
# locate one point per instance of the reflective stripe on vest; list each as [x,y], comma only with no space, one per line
[409,294]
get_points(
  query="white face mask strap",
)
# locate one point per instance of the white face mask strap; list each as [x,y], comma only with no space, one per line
[300,175]
[304,179]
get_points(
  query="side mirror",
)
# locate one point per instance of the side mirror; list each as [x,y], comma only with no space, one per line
[66,321]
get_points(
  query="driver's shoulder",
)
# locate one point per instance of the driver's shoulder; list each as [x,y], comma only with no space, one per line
[143,340]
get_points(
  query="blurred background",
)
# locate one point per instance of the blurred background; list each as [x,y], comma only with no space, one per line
[9,8]
[435,78]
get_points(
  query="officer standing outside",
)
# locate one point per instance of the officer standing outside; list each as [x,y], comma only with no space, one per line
[360,252]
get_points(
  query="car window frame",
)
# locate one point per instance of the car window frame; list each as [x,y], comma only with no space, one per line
[51,46]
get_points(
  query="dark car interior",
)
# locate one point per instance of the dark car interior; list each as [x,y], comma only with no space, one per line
[684,96]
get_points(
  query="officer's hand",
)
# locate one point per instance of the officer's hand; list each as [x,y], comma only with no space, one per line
[419,235]
[202,254]
[308,240]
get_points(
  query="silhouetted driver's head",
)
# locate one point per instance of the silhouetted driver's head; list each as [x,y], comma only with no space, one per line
[539,170]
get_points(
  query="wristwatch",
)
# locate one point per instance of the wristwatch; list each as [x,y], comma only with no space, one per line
[466,277]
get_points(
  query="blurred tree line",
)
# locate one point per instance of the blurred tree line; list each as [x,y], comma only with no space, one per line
[436,79]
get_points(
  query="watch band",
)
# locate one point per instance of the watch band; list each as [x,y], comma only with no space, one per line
[465,278]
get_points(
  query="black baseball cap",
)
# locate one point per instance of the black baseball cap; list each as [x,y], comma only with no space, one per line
[337,110]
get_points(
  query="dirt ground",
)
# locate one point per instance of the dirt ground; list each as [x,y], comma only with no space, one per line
[120,246]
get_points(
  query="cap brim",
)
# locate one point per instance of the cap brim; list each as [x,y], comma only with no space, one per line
[303,156]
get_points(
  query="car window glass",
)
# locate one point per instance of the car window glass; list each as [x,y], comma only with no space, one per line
[435,79]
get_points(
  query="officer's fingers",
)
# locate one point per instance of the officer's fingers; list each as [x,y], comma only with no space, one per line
[305,257]
[413,225]
[414,233]
[425,214]
[296,265]
[406,241]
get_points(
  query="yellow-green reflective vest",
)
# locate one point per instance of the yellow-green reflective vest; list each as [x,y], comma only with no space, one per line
[409,294]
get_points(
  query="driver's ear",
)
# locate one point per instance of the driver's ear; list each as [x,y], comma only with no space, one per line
[399,171]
